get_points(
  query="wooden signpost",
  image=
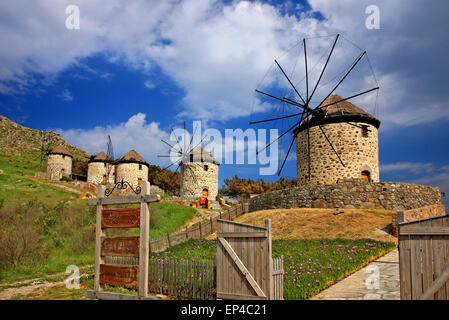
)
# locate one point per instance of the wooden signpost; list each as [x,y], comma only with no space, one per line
[132,246]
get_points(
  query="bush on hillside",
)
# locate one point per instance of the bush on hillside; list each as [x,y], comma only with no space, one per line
[19,234]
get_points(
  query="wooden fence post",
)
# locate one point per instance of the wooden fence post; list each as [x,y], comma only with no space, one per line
[211,228]
[168,239]
[98,235]
[401,216]
[144,241]
[187,233]
[201,234]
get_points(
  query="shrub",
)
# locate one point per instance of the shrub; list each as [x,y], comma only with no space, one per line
[19,235]
[66,179]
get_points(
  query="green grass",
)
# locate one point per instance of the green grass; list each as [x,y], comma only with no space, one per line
[15,188]
[168,217]
[309,265]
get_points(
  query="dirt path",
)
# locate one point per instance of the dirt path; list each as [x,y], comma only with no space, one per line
[65,188]
[25,287]
[25,290]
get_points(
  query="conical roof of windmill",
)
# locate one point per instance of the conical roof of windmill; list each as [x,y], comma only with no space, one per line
[200,155]
[101,157]
[335,110]
[132,157]
[60,150]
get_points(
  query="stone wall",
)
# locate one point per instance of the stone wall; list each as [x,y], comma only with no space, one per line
[354,193]
[56,163]
[358,153]
[131,172]
[417,214]
[195,177]
[96,171]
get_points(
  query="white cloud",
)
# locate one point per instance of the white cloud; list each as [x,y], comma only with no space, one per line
[150,84]
[414,167]
[136,133]
[66,95]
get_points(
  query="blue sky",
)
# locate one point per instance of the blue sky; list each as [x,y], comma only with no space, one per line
[136,68]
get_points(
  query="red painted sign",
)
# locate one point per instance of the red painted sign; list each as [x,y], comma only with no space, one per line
[121,218]
[120,246]
[119,275]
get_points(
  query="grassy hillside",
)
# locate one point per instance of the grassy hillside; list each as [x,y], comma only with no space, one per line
[44,228]
[20,148]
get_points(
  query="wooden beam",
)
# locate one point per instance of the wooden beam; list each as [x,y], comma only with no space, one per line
[91,294]
[437,284]
[98,235]
[233,296]
[242,268]
[144,242]
[243,234]
[270,260]
[124,200]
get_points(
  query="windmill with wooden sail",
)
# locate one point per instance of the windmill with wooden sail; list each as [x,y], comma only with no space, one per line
[335,139]
[198,168]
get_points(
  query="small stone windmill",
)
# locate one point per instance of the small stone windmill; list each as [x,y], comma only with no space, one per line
[199,175]
[199,171]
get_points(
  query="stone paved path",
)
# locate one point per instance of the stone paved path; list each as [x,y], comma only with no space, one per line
[354,287]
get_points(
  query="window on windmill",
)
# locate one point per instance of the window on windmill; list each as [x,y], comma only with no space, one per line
[139,182]
[365,131]
[206,167]
[140,167]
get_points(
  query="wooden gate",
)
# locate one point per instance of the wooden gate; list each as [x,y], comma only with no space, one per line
[424,258]
[244,263]
[121,274]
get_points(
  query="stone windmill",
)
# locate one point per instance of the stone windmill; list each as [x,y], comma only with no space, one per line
[334,138]
[199,175]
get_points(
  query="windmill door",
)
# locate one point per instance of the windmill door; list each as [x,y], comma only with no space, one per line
[243,260]
[205,193]
[366,175]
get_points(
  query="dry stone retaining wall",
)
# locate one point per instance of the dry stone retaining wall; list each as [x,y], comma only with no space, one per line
[417,214]
[354,193]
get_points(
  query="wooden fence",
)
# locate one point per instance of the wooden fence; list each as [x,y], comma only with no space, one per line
[424,258]
[278,278]
[201,230]
[182,278]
